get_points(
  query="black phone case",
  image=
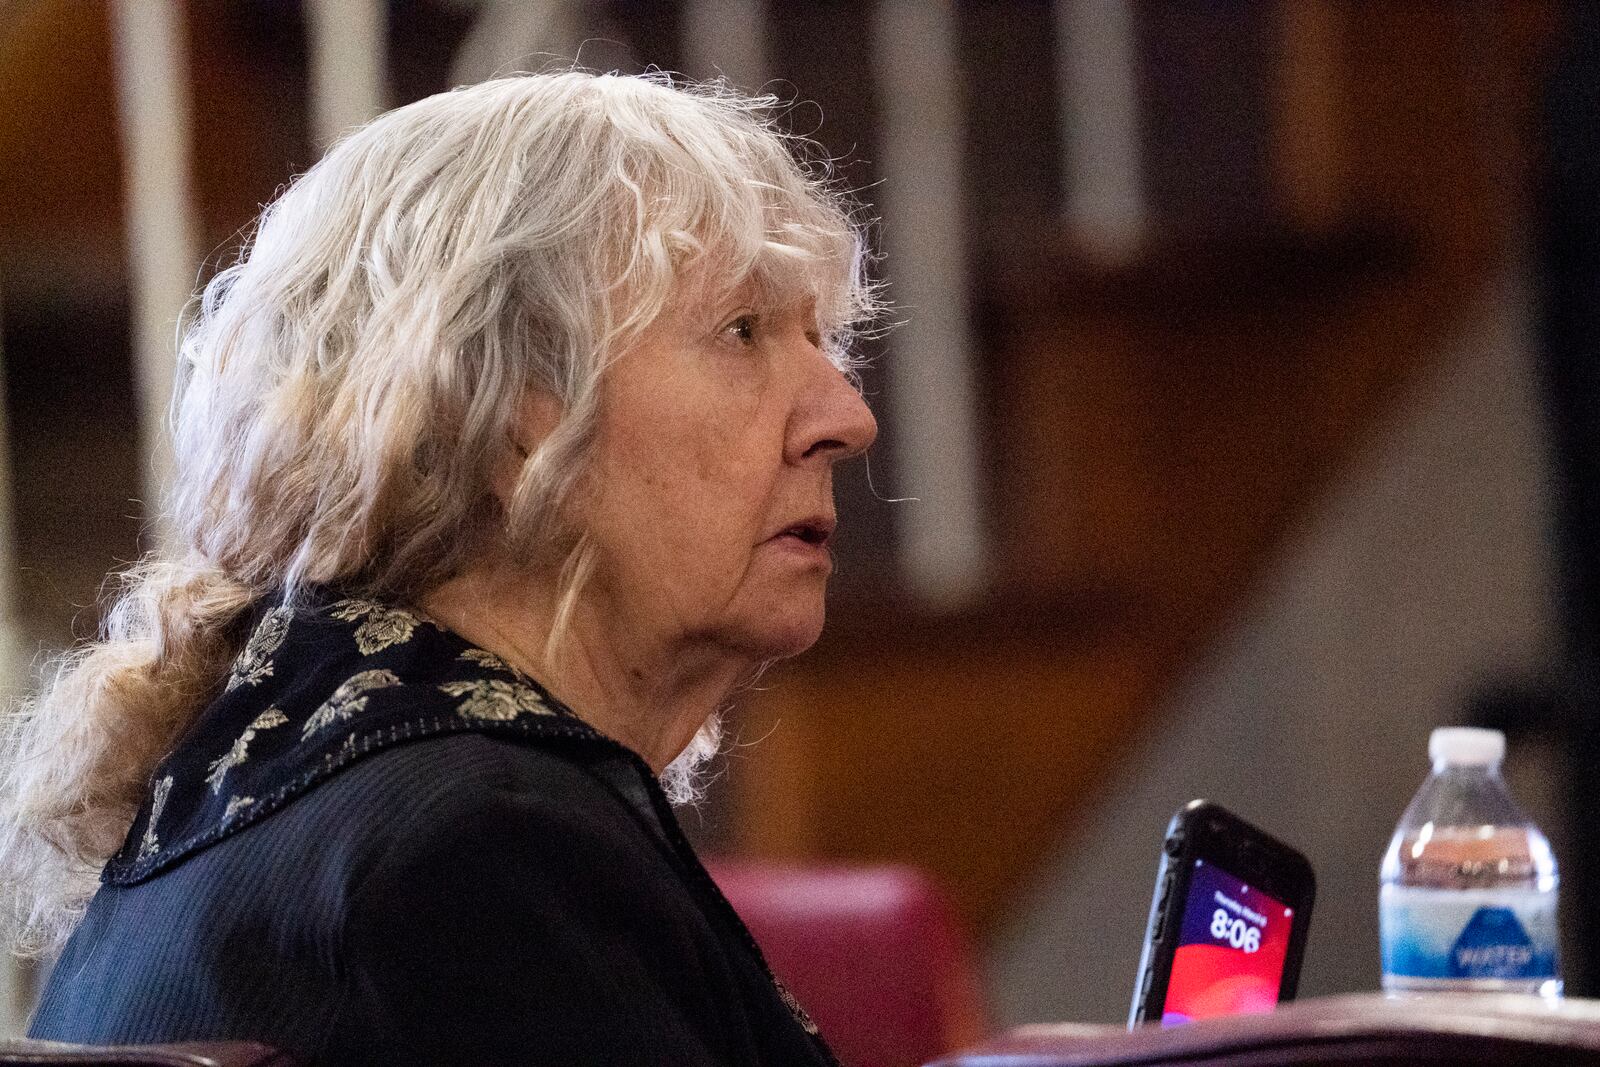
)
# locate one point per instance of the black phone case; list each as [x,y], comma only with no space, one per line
[1208,831]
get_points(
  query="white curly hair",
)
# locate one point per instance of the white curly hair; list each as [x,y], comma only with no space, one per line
[347,384]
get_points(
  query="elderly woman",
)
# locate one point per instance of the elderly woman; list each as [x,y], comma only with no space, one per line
[504,455]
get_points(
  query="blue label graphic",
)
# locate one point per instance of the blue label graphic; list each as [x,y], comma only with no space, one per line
[1493,945]
[1496,934]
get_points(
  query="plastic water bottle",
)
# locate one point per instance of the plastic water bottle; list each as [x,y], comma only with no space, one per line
[1468,899]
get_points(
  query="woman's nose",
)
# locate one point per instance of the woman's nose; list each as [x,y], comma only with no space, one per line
[832,421]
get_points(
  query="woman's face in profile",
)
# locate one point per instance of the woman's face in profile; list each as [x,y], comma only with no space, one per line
[712,502]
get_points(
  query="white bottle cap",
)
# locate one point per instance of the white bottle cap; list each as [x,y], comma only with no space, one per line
[1466,745]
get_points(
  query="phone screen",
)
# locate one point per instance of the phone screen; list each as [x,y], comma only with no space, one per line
[1230,951]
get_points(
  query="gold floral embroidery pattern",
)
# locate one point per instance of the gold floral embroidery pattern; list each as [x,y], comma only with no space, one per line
[218,769]
[484,658]
[255,662]
[496,699]
[348,699]
[799,1013]
[236,805]
[381,627]
[150,842]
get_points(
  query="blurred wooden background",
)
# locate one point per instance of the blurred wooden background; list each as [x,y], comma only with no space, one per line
[1326,183]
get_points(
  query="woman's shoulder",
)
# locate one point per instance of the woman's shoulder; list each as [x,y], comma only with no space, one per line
[451,804]
[323,686]
[418,796]
[442,806]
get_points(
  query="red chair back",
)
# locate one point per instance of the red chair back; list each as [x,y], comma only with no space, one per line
[873,954]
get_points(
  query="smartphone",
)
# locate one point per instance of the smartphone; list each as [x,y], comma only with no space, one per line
[1228,922]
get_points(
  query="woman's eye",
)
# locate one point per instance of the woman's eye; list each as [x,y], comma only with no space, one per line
[742,329]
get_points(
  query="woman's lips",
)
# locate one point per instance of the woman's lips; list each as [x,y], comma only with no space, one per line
[809,541]
[815,530]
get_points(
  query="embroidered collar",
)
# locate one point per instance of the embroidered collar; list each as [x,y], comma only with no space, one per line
[318,686]
[322,684]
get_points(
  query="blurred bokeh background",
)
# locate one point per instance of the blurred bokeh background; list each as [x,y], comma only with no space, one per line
[1244,422]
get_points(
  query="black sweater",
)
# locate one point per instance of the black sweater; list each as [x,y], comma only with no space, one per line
[383,845]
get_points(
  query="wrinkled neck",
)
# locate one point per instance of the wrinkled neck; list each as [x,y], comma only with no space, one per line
[651,692]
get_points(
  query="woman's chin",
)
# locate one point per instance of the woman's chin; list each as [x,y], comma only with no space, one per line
[786,631]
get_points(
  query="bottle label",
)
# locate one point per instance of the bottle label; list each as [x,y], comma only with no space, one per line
[1468,933]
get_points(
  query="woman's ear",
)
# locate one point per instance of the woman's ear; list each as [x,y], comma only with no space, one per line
[536,417]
